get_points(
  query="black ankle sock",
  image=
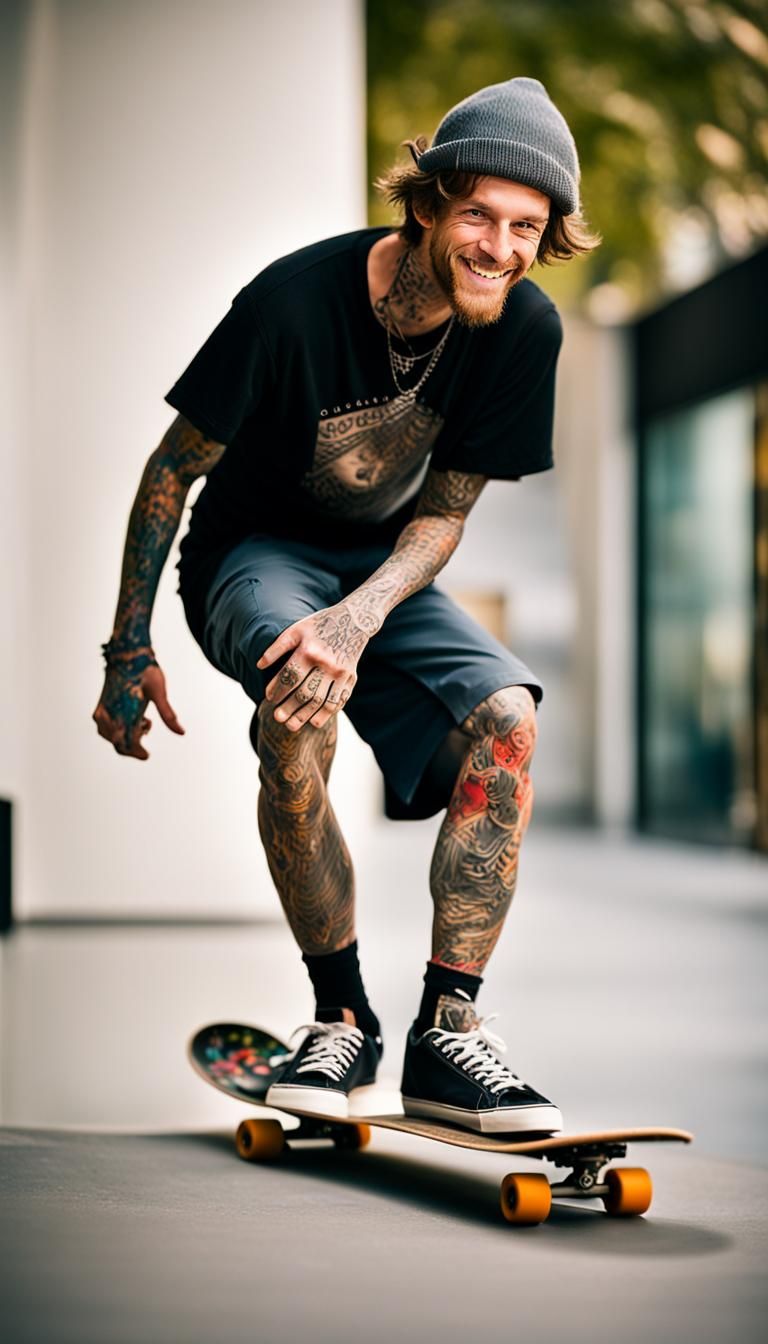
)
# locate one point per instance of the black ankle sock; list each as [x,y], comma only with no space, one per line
[338,984]
[440,980]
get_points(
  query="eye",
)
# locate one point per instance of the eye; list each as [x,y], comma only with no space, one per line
[473,210]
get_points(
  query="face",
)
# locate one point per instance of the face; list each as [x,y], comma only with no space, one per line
[481,247]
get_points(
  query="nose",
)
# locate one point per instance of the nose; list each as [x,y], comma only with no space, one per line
[498,246]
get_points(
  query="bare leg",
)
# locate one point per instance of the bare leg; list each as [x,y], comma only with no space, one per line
[306,853]
[474,866]
[474,870]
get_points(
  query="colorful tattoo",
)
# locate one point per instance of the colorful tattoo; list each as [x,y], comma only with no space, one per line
[474,866]
[183,455]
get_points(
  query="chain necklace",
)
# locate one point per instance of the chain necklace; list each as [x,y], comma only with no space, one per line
[405,364]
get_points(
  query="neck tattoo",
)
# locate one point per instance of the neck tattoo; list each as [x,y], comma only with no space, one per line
[410,295]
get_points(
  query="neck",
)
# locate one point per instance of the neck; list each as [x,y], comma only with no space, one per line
[414,302]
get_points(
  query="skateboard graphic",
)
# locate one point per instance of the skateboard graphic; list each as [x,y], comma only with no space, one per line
[243,1062]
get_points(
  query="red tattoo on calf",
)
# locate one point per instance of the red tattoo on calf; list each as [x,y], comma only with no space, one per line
[511,751]
[474,867]
[468,799]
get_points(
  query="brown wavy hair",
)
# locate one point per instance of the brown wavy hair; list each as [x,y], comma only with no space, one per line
[408,189]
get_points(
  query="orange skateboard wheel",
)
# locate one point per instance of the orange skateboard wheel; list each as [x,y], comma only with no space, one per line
[525,1200]
[354,1137]
[259,1140]
[630,1191]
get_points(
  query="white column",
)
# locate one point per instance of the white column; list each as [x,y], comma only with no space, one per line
[170,150]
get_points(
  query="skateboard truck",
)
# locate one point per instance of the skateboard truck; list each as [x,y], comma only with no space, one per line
[586,1167]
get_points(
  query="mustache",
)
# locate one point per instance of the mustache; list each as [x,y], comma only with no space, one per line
[487,264]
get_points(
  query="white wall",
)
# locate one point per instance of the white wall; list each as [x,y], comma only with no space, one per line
[12,342]
[12,610]
[169,149]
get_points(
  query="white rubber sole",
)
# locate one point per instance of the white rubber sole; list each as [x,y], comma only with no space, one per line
[375,1099]
[506,1120]
[321,1100]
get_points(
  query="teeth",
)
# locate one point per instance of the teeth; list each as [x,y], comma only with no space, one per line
[487,275]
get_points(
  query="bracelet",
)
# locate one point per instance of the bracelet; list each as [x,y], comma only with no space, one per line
[114,655]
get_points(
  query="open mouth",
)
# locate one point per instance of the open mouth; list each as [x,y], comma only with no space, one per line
[485,272]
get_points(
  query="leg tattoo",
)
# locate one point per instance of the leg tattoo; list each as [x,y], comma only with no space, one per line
[306,853]
[474,866]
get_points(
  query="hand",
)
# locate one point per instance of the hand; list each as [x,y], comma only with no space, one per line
[321,673]
[119,715]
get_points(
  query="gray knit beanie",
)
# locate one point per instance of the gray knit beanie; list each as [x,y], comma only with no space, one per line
[510,130]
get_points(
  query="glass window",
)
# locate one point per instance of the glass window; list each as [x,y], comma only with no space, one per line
[697,751]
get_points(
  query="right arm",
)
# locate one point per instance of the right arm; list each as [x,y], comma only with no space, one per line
[133,677]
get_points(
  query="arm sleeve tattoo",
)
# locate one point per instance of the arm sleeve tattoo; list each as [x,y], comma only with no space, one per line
[183,455]
[424,546]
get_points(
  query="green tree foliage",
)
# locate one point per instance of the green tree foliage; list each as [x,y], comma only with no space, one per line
[667,101]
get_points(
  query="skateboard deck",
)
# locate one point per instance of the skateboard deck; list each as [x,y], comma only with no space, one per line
[243,1061]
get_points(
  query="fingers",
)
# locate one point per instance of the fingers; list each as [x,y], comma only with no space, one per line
[136,751]
[167,714]
[120,718]
[314,681]
[304,700]
[334,703]
[115,734]
[314,701]
[289,677]
[134,747]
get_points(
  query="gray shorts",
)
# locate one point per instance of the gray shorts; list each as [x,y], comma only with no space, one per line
[419,677]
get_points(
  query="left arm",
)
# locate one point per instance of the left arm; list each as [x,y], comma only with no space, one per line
[424,546]
[321,673]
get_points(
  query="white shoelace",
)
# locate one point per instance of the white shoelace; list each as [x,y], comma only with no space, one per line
[476,1052]
[331,1053]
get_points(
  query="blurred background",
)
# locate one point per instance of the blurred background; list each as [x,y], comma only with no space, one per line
[155,156]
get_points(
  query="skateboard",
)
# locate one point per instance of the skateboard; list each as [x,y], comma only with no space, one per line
[243,1061]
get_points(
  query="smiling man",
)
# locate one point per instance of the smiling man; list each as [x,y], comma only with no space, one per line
[347,412]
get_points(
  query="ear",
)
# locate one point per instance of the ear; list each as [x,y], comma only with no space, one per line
[426,221]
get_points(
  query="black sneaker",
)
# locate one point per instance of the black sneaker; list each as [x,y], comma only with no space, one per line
[327,1071]
[456,1076]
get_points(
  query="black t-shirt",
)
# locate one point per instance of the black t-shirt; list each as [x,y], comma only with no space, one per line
[299,367]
